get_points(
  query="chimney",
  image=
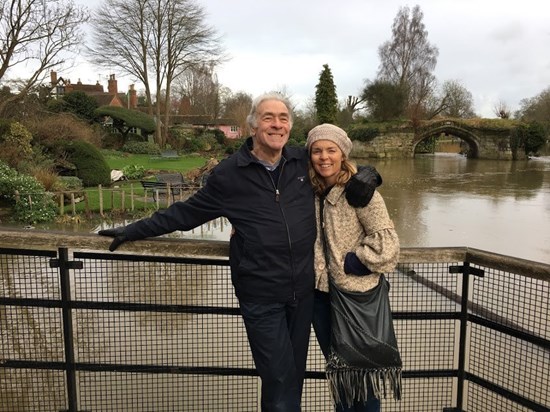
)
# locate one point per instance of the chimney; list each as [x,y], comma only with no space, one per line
[112,86]
[132,97]
[53,77]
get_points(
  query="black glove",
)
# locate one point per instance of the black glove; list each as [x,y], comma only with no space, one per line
[119,234]
[361,186]
[352,265]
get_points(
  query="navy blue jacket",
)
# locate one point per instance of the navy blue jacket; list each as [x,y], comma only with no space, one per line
[271,251]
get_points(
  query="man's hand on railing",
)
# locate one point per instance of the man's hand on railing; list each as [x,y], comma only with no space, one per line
[119,235]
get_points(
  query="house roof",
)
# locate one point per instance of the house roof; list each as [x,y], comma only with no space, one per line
[201,120]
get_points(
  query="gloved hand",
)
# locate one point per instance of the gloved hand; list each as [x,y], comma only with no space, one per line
[119,234]
[353,266]
[360,188]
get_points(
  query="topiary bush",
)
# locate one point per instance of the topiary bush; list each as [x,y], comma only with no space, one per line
[34,204]
[90,165]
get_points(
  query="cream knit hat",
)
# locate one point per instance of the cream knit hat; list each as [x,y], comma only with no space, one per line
[330,132]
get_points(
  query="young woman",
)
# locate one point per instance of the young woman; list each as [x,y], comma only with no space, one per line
[354,245]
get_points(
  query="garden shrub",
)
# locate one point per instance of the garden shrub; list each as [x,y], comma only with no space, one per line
[141,148]
[67,183]
[363,133]
[209,141]
[62,127]
[15,143]
[179,136]
[133,172]
[35,205]
[91,167]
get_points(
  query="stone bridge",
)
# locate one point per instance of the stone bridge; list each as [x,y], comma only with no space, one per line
[401,142]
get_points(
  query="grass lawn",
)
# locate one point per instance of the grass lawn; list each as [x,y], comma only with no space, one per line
[117,160]
[112,196]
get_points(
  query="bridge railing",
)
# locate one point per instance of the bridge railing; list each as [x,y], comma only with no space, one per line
[156,327]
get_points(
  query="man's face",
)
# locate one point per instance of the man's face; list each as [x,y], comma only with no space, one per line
[273,126]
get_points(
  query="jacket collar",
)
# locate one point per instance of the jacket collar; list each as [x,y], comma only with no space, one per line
[244,155]
[335,193]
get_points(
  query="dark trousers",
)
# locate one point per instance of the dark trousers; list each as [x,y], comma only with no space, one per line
[321,325]
[278,334]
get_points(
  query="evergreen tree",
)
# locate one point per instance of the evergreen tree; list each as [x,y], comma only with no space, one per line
[326,101]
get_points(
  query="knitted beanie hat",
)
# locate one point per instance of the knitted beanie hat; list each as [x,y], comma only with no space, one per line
[330,132]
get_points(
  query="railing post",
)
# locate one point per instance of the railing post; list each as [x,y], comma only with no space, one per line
[462,339]
[466,271]
[63,263]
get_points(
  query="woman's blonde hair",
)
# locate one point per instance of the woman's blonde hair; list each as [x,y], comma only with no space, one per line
[348,170]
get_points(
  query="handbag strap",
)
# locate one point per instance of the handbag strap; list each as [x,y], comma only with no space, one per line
[322,227]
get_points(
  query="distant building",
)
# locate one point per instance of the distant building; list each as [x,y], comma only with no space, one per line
[111,97]
[60,86]
[229,127]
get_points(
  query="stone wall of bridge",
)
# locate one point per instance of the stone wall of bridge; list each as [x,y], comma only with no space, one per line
[483,143]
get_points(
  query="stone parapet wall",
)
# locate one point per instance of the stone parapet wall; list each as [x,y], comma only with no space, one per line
[387,146]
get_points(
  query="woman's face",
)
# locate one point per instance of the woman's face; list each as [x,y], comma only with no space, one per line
[326,158]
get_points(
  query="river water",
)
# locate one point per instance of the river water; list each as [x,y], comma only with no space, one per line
[446,199]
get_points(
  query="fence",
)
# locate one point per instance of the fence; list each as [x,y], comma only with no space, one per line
[155,327]
[115,199]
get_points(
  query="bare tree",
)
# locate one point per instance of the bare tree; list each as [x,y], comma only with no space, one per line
[199,85]
[457,101]
[502,110]
[408,59]
[36,36]
[535,109]
[237,107]
[155,41]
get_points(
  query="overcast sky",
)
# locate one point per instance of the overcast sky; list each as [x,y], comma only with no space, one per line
[498,50]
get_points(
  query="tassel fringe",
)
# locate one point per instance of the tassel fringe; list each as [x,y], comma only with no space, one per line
[352,384]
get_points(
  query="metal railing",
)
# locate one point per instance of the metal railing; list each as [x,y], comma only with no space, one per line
[155,327]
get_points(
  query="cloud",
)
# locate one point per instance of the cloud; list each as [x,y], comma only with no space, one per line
[497,49]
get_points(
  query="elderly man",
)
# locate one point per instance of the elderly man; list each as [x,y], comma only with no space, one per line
[264,191]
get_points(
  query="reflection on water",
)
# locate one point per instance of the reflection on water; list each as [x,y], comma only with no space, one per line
[449,200]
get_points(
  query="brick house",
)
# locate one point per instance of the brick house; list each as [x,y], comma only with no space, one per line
[60,86]
[228,126]
[111,97]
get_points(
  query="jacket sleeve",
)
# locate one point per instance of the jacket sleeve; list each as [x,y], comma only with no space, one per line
[203,206]
[379,249]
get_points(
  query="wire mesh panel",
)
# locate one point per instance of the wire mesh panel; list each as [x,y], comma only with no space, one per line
[519,304]
[32,390]
[139,392]
[175,315]
[30,334]
[483,400]
[153,333]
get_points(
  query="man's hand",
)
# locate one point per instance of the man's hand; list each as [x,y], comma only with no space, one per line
[119,235]
[361,186]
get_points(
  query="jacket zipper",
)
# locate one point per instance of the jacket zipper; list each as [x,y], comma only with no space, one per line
[277,200]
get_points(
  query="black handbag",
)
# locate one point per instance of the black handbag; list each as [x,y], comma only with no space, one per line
[363,344]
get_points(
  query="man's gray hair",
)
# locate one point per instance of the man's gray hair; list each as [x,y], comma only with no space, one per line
[252,118]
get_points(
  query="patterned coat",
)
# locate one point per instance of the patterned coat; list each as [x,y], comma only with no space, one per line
[368,231]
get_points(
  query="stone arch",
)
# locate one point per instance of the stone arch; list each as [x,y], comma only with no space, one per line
[449,128]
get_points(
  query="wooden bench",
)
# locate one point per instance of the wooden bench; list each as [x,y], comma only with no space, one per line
[167,154]
[164,181]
